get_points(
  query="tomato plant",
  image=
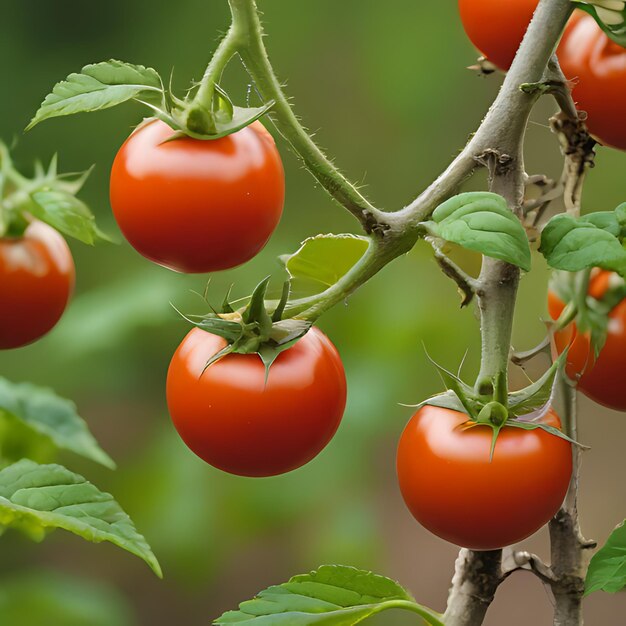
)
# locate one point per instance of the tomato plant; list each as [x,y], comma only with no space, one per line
[597,376]
[36,279]
[496,28]
[255,389]
[197,205]
[456,491]
[236,420]
[597,67]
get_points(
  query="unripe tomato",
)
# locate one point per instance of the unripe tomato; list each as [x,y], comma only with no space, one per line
[601,378]
[597,65]
[36,281]
[230,417]
[497,27]
[197,205]
[454,490]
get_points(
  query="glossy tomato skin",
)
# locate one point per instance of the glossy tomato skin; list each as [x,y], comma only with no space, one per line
[453,490]
[497,27]
[597,66]
[197,205]
[236,422]
[37,277]
[601,378]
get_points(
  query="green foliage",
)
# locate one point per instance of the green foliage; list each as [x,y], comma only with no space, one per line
[46,414]
[334,595]
[612,22]
[38,498]
[574,244]
[607,570]
[99,86]
[321,261]
[67,214]
[109,83]
[482,221]
[55,599]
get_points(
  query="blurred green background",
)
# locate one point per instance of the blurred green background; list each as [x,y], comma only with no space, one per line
[384,87]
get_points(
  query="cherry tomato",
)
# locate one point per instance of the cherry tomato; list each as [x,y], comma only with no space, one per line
[497,27]
[597,65]
[230,417]
[36,281]
[452,489]
[197,206]
[600,379]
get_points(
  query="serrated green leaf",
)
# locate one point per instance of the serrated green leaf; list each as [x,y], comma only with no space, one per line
[574,245]
[483,222]
[99,86]
[321,261]
[612,22]
[39,498]
[67,214]
[607,570]
[334,595]
[53,417]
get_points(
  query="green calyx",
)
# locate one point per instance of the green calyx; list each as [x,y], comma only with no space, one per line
[523,409]
[255,329]
[47,196]
[590,314]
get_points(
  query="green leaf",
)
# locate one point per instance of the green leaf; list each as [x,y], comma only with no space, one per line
[322,261]
[67,214]
[574,245]
[56,599]
[38,498]
[51,416]
[99,86]
[605,220]
[612,22]
[483,222]
[607,570]
[334,595]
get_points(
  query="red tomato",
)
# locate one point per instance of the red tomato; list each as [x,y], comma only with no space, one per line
[194,205]
[236,422]
[497,27]
[453,490]
[36,281]
[597,65]
[600,379]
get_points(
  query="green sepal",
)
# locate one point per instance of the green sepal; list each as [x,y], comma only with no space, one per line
[538,393]
[446,400]
[616,32]
[282,303]
[229,330]
[527,425]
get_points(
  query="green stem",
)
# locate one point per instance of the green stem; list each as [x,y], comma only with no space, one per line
[227,48]
[254,56]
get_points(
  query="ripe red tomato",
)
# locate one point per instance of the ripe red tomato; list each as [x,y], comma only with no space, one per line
[497,27]
[194,205]
[597,65]
[236,422]
[600,379]
[452,489]
[36,281]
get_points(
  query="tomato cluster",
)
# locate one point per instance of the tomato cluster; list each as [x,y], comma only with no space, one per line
[589,58]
